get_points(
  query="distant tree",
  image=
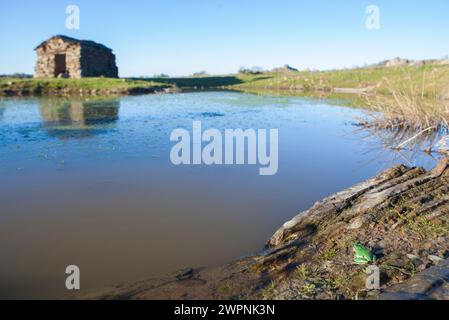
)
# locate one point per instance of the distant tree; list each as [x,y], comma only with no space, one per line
[161,76]
[285,68]
[200,73]
[253,70]
[17,75]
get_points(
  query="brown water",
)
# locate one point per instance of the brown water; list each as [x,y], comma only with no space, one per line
[90,183]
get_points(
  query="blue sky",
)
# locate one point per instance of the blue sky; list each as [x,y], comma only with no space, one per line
[180,37]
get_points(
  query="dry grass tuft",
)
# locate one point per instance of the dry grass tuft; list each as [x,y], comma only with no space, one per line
[410,105]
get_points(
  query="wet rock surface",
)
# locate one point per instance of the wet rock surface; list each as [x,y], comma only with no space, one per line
[401,215]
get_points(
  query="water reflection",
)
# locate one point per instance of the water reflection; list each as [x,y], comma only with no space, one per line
[116,200]
[403,145]
[66,119]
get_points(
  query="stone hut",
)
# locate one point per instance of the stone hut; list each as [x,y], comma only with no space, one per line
[62,56]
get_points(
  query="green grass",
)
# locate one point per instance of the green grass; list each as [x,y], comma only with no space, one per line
[431,79]
[379,80]
[425,228]
[48,86]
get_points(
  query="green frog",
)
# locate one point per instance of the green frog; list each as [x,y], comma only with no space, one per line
[362,255]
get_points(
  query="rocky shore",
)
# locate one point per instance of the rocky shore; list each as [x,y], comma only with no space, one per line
[401,216]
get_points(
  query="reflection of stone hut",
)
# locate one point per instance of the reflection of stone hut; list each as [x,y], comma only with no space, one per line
[78,118]
[68,57]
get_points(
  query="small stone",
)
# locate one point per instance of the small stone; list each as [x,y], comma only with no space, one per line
[357,223]
[373,293]
[396,225]
[443,144]
[327,265]
[382,244]
[422,267]
[185,274]
[435,259]
[412,257]
[427,245]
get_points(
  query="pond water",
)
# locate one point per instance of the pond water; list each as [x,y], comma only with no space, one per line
[89,182]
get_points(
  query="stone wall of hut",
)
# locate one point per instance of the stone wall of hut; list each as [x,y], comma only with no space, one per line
[97,62]
[45,65]
[82,60]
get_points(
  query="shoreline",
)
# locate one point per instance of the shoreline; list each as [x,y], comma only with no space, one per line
[398,96]
[379,80]
[402,215]
[85,87]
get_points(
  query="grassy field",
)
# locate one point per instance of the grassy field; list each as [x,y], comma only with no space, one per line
[15,86]
[426,81]
[430,78]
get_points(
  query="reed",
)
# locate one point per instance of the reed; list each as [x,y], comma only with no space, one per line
[410,105]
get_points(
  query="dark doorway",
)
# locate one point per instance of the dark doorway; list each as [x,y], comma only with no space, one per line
[60,64]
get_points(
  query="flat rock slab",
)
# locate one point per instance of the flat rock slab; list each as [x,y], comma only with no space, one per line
[431,284]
